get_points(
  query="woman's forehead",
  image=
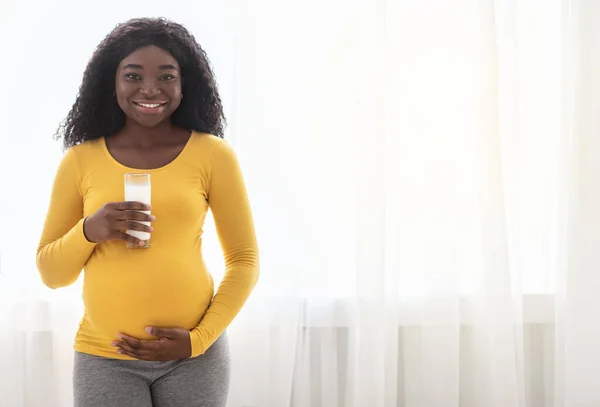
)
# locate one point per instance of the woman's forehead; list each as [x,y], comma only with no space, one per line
[150,57]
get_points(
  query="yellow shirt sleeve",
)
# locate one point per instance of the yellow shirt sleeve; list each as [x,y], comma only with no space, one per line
[228,201]
[63,249]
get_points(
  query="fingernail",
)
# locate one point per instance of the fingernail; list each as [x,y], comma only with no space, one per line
[153,217]
[113,344]
[151,229]
[141,243]
[149,329]
[119,350]
[120,336]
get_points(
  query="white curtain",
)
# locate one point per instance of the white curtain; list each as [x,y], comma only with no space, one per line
[423,175]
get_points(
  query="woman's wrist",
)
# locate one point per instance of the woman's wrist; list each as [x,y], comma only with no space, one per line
[86,232]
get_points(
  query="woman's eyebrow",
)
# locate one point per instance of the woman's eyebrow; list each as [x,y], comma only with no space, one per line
[134,66]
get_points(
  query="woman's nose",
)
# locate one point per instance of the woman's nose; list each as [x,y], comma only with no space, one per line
[150,89]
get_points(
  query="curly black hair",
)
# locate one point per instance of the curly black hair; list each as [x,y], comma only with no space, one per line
[96,113]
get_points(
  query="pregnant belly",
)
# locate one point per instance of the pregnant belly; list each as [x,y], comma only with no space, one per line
[138,299]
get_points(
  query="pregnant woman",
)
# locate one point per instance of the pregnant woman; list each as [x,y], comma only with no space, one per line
[153,330]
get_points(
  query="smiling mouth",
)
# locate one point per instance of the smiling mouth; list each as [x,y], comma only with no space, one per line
[149,105]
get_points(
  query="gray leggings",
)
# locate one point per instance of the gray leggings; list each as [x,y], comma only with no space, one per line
[195,382]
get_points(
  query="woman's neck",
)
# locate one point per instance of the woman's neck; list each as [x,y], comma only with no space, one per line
[134,134]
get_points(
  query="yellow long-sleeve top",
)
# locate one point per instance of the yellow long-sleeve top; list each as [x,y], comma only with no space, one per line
[167,285]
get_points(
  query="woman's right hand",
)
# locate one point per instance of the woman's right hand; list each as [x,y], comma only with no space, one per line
[112,220]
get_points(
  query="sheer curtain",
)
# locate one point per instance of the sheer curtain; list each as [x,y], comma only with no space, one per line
[422,175]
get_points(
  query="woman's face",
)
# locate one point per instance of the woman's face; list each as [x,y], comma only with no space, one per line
[148,86]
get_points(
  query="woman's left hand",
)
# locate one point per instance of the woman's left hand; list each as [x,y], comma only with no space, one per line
[172,344]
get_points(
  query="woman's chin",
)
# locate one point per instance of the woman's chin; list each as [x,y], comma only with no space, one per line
[150,122]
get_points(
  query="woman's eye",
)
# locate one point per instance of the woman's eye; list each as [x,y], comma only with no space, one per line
[133,76]
[167,77]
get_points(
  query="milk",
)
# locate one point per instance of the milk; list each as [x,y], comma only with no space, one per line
[139,192]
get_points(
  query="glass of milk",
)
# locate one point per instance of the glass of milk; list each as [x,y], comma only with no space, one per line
[137,188]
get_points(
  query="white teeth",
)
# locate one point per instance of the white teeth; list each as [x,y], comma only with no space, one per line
[150,106]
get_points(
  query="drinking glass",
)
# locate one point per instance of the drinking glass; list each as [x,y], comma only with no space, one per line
[138,188]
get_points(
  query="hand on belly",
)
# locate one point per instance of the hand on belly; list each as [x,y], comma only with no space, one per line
[167,344]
